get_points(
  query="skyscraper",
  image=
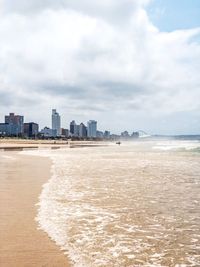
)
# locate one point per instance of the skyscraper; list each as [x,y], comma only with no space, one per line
[16,124]
[92,128]
[56,125]
[74,128]
[82,130]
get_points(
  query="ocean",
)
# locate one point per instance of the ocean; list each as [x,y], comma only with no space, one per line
[137,204]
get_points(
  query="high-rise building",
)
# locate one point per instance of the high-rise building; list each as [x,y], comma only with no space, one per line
[106,134]
[74,128]
[64,132]
[125,134]
[99,134]
[82,130]
[56,124]
[16,124]
[92,128]
[31,129]
[135,135]
[4,129]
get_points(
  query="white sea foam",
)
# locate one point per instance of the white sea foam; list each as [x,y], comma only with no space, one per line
[177,145]
[119,207]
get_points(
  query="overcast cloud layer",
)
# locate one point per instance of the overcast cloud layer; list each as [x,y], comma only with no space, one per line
[98,59]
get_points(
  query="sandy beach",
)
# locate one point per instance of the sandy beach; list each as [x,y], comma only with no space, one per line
[131,205]
[21,243]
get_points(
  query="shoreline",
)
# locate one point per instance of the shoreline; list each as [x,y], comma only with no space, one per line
[21,243]
[20,145]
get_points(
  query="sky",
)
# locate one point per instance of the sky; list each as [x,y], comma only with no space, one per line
[129,64]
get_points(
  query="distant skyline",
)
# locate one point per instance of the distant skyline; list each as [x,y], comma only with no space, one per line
[129,64]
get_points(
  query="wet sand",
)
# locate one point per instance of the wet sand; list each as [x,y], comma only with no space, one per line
[23,144]
[21,243]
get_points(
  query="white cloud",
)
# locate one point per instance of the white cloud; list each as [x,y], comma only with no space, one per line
[101,57]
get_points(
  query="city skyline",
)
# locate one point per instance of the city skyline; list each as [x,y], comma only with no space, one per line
[127,64]
[66,125]
[15,125]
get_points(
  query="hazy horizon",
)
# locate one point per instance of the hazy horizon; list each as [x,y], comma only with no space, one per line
[130,65]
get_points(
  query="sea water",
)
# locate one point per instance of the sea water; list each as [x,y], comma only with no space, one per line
[137,204]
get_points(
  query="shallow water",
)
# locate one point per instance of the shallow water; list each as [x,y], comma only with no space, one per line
[130,205]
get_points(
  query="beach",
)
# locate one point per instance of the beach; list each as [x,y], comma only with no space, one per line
[21,243]
[108,206]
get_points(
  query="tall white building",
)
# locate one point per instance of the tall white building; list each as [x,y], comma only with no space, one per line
[92,128]
[56,125]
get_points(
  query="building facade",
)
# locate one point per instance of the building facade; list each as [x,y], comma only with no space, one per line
[100,134]
[31,129]
[106,135]
[74,129]
[82,130]
[16,124]
[92,129]
[4,129]
[47,132]
[135,135]
[125,134]
[64,132]
[56,122]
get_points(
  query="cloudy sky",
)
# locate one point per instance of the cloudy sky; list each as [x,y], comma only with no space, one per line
[130,64]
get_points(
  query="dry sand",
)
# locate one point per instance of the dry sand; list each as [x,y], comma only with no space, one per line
[21,244]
